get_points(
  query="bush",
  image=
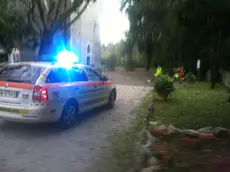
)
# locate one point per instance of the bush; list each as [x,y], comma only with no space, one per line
[190,78]
[163,84]
[110,62]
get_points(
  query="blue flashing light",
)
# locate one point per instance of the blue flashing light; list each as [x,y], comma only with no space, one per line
[67,59]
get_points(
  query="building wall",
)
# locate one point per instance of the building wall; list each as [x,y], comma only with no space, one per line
[86,32]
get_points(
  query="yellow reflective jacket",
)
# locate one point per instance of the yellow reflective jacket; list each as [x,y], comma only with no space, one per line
[158,72]
[176,75]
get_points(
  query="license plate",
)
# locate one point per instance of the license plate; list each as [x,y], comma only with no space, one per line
[8,93]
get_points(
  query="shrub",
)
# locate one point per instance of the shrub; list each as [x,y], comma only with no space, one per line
[190,78]
[163,84]
[110,62]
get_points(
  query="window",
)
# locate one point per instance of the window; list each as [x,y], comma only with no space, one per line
[77,75]
[96,32]
[61,75]
[92,75]
[58,75]
[21,73]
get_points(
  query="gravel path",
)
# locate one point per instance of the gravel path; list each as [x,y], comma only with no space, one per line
[130,78]
[43,148]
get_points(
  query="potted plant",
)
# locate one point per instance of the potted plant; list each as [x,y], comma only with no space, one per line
[163,86]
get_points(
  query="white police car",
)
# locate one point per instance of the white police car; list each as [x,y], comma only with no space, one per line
[36,92]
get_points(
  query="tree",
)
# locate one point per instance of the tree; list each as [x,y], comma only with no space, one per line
[13,27]
[178,32]
[208,21]
[147,24]
[47,17]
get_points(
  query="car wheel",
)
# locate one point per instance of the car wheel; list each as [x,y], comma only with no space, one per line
[68,116]
[112,99]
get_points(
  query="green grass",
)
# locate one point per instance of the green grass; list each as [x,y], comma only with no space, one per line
[190,106]
[194,106]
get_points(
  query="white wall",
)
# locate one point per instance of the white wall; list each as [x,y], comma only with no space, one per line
[84,33]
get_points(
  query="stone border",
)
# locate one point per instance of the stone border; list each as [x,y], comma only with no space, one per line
[152,157]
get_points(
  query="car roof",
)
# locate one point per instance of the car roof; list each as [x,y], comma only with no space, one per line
[47,64]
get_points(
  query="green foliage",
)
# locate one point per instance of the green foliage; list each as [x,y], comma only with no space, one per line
[110,62]
[123,58]
[13,26]
[178,32]
[163,84]
[45,18]
[148,25]
[190,78]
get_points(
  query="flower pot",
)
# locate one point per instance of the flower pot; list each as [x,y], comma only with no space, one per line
[163,96]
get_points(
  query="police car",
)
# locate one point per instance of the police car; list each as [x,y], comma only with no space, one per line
[37,92]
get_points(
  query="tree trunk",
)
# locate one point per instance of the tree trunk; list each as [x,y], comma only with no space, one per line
[214,71]
[149,53]
[130,56]
[214,62]
[46,45]
[148,66]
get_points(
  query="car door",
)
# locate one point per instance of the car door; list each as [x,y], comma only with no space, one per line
[81,90]
[96,86]
[67,84]
[58,92]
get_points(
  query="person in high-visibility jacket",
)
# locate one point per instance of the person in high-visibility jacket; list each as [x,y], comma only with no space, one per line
[176,76]
[158,72]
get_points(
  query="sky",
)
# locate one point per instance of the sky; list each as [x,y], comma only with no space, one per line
[113,23]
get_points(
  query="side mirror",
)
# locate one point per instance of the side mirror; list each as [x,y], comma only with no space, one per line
[104,78]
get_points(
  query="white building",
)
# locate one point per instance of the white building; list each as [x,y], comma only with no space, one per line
[85,35]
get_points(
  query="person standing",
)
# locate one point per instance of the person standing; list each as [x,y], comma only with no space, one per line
[159,72]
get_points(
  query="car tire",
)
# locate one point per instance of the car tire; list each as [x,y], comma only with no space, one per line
[112,99]
[69,116]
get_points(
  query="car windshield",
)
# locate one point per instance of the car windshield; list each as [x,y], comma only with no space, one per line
[21,73]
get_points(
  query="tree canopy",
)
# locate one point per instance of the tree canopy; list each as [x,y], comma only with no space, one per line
[47,17]
[178,32]
[12,25]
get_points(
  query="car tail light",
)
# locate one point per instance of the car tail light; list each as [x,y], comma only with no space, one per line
[40,93]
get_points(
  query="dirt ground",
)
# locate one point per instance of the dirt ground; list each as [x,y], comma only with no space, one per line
[137,77]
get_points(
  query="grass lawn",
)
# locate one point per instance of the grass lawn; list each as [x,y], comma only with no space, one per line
[190,106]
[194,106]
